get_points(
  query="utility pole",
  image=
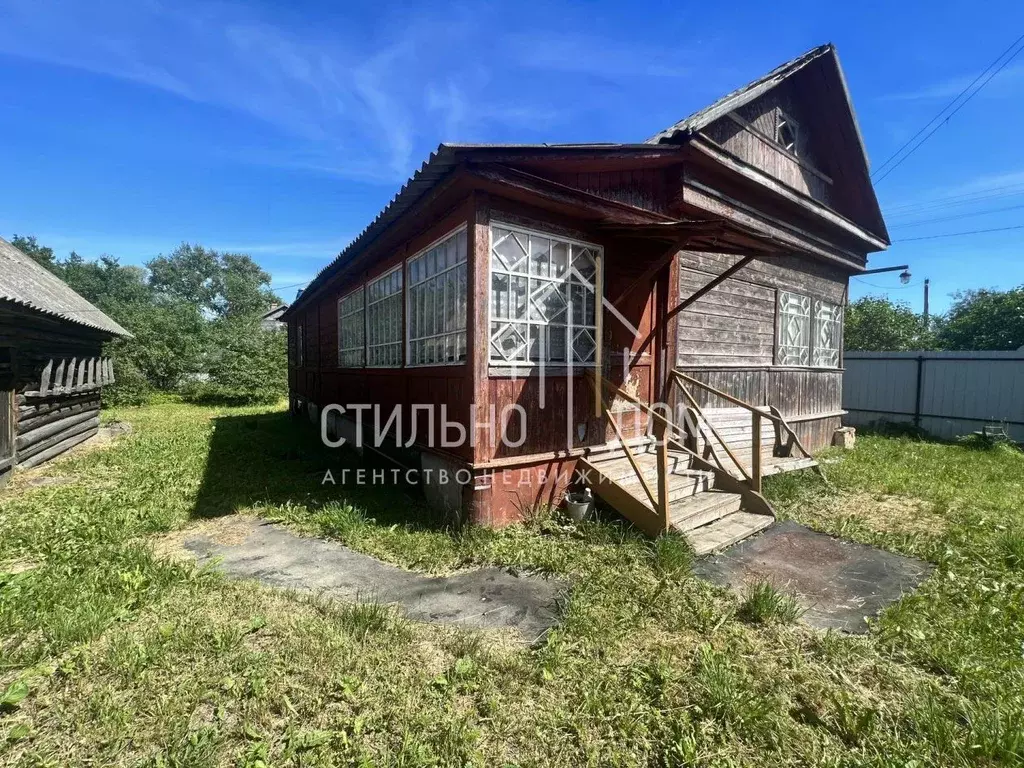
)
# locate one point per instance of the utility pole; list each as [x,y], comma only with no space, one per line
[926,284]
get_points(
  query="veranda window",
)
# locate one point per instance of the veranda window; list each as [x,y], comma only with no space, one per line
[352,329]
[810,332]
[437,303]
[542,298]
[384,321]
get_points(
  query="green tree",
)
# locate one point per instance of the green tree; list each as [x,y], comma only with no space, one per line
[222,284]
[30,247]
[985,319]
[877,324]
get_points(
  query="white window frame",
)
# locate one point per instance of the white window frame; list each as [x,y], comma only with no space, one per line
[570,362]
[407,287]
[401,319]
[814,306]
[782,118]
[360,290]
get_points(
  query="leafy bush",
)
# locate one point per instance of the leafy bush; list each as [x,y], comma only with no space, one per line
[130,386]
[248,366]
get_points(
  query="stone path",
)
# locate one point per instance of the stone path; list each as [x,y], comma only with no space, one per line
[838,583]
[485,598]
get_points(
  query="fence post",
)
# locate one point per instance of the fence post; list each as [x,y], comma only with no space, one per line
[917,396]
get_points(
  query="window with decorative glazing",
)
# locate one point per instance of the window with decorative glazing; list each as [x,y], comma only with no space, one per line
[384,321]
[437,303]
[352,330]
[542,298]
[810,331]
[827,337]
[794,329]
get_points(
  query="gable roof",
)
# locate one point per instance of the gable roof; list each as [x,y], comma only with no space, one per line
[823,55]
[26,282]
[448,156]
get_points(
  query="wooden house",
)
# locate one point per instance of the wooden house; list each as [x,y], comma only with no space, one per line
[52,367]
[595,296]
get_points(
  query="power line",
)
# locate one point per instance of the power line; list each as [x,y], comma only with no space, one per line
[937,117]
[959,216]
[953,201]
[888,287]
[958,234]
[282,287]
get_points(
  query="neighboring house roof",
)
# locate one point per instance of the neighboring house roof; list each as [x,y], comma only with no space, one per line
[26,282]
[274,312]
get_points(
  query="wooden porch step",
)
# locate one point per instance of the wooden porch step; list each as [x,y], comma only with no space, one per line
[682,484]
[702,509]
[618,468]
[726,531]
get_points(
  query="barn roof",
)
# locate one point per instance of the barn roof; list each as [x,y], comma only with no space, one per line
[26,282]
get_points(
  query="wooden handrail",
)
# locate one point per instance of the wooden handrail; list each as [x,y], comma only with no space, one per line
[634,401]
[721,441]
[629,455]
[789,430]
[727,397]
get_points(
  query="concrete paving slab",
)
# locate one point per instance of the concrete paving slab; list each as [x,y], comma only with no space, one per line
[838,583]
[485,598]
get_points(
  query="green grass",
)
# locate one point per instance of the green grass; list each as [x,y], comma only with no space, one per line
[764,603]
[111,655]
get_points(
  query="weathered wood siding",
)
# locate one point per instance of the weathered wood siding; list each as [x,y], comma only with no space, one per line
[727,338]
[52,382]
[752,139]
[642,188]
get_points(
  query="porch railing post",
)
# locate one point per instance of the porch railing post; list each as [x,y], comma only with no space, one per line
[755,451]
[663,479]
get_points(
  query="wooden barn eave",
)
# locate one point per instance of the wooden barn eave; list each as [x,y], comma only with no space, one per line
[709,150]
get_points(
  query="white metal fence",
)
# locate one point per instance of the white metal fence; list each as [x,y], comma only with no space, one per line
[946,393]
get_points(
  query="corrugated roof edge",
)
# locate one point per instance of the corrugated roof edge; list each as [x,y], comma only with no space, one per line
[37,277]
[738,97]
[439,164]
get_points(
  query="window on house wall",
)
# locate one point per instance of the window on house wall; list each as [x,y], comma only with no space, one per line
[787,131]
[384,321]
[827,336]
[437,303]
[352,329]
[542,298]
[810,332]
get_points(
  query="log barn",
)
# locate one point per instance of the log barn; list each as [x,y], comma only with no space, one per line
[52,367]
[661,320]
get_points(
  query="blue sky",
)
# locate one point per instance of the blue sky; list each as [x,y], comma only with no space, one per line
[281,129]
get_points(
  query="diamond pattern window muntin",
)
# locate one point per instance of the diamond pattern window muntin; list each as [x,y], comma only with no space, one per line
[542,296]
[810,332]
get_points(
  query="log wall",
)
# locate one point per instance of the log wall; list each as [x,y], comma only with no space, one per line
[51,377]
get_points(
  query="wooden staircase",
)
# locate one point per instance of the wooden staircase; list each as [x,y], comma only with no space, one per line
[704,481]
[711,518]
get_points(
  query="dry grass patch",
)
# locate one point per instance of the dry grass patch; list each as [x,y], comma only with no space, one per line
[886,513]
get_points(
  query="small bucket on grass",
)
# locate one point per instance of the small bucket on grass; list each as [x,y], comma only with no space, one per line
[579,504]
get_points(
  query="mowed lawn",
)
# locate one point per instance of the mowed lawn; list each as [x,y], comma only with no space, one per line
[111,654]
